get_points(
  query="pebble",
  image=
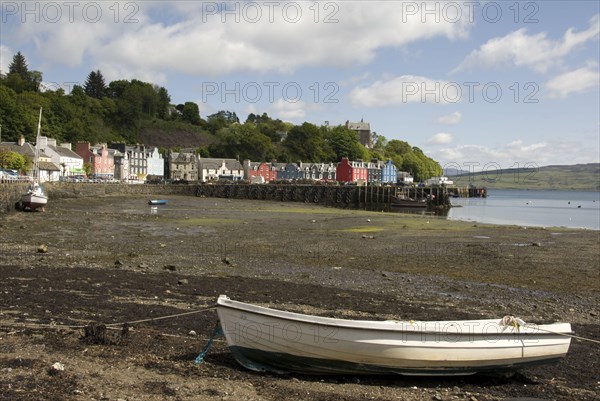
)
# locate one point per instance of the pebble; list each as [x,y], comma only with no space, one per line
[56,368]
[43,248]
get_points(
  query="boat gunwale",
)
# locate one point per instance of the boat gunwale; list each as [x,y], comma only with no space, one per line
[408,327]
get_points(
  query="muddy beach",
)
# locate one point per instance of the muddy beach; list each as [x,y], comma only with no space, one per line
[114,259]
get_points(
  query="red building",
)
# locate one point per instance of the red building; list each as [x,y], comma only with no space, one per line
[351,171]
[260,169]
[98,157]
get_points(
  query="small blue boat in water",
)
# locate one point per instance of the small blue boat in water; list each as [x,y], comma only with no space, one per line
[155,202]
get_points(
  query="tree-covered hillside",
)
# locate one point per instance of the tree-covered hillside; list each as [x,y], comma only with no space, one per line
[133,111]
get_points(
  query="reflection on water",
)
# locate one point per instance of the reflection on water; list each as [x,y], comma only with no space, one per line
[576,209]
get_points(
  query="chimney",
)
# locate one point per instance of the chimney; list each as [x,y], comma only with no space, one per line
[66,145]
[21,141]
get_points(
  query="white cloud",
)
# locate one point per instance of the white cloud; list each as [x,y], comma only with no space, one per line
[441,138]
[533,51]
[191,38]
[517,153]
[405,89]
[6,55]
[288,111]
[576,81]
[451,119]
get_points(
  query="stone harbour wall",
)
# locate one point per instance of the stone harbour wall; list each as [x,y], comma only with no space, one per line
[10,194]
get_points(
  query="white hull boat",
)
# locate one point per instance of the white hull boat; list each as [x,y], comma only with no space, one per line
[264,339]
[34,198]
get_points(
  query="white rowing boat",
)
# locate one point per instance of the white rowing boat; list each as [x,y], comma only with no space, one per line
[264,339]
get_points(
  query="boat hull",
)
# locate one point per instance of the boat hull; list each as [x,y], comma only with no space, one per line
[409,203]
[34,201]
[264,339]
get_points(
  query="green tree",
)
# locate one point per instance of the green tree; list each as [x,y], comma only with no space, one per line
[414,166]
[191,113]
[226,115]
[243,141]
[13,161]
[306,142]
[19,78]
[19,66]
[397,147]
[12,115]
[379,143]
[95,86]
[163,102]
[216,122]
[344,143]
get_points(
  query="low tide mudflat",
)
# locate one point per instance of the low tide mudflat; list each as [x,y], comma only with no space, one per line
[115,259]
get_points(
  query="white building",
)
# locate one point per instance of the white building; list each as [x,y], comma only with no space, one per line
[155,163]
[69,162]
[215,169]
[404,177]
[439,181]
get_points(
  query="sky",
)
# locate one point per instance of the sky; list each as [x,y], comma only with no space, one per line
[475,84]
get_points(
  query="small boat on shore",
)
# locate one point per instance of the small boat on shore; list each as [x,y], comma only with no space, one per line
[264,339]
[156,202]
[408,203]
[35,198]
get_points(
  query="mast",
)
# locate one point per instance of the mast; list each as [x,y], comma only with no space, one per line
[36,161]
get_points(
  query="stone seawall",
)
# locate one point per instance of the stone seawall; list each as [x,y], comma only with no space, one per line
[75,190]
[11,193]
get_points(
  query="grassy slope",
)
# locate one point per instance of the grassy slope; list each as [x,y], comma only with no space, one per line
[169,134]
[574,177]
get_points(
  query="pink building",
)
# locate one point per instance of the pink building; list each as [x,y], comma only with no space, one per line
[98,157]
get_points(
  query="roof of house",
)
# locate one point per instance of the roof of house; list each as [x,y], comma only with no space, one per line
[230,164]
[182,157]
[26,150]
[49,166]
[65,152]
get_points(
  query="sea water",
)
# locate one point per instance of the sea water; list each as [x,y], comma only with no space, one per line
[574,209]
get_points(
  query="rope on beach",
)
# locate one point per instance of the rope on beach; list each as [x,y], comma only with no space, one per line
[61,326]
[162,317]
[570,335]
[217,332]
[517,323]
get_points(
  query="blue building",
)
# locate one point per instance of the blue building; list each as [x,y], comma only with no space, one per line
[389,172]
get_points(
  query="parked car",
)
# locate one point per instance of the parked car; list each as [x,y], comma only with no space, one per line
[8,175]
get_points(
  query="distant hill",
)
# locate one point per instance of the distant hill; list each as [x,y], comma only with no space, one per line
[585,177]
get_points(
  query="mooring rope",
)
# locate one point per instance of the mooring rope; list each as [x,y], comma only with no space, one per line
[64,326]
[162,317]
[506,321]
[570,335]
[217,332]
[518,322]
